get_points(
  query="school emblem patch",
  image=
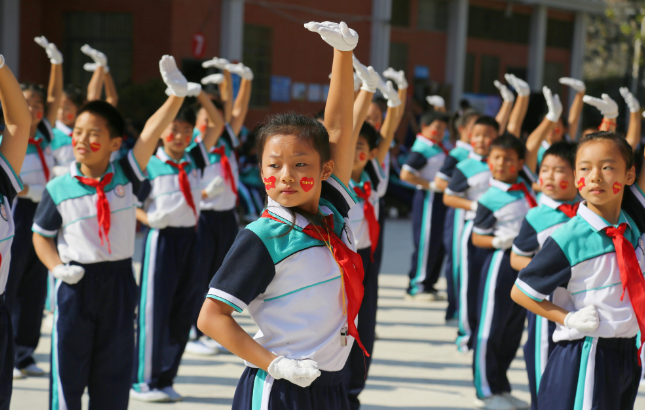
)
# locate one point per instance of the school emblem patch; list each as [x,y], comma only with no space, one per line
[3,213]
[119,190]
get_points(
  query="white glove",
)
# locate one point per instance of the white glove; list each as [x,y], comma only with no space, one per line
[192,90]
[393,99]
[213,79]
[215,187]
[220,63]
[60,170]
[241,70]
[553,103]
[474,205]
[98,57]
[503,242]
[173,78]
[1,61]
[436,101]
[630,100]
[577,85]
[584,320]
[299,372]
[158,219]
[55,56]
[507,95]
[521,87]
[357,82]
[71,274]
[433,187]
[606,105]
[336,35]
[369,77]
[397,76]
[91,67]
[35,192]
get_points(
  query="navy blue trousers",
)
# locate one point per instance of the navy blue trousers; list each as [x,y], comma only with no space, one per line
[258,390]
[537,349]
[452,230]
[591,374]
[358,364]
[26,286]
[500,327]
[92,338]
[216,233]
[428,213]
[378,252]
[6,356]
[168,289]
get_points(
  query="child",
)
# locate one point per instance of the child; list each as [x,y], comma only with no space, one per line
[91,212]
[63,152]
[428,211]
[295,267]
[469,181]
[557,205]
[593,267]
[17,124]
[169,281]
[500,212]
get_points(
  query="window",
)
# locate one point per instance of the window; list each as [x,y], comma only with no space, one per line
[432,15]
[400,13]
[469,73]
[559,34]
[258,44]
[552,73]
[494,25]
[489,72]
[399,56]
[110,33]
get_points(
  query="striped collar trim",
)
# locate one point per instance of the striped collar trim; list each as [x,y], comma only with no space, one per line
[426,141]
[596,221]
[161,154]
[552,203]
[464,145]
[475,156]
[502,186]
[74,170]
[286,214]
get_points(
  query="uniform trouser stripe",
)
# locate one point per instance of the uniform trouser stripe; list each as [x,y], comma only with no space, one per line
[424,240]
[57,396]
[457,229]
[464,325]
[486,320]
[584,391]
[146,310]
[262,385]
[541,348]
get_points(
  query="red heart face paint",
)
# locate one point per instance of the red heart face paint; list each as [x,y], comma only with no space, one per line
[269,183]
[556,130]
[472,144]
[202,128]
[169,138]
[70,116]
[362,156]
[95,146]
[434,133]
[74,142]
[617,187]
[581,183]
[307,183]
[39,115]
[188,139]
[564,184]
[540,181]
[513,169]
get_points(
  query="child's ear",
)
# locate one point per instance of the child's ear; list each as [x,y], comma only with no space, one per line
[521,164]
[631,176]
[115,143]
[327,169]
[373,153]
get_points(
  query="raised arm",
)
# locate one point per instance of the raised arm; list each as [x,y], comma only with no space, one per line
[507,105]
[633,136]
[391,123]
[607,107]
[55,88]
[402,85]
[546,126]
[576,107]
[95,87]
[521,105]
[226,94]
[17,119]
[241,105]
[215,121]
[111,95]
[369,80]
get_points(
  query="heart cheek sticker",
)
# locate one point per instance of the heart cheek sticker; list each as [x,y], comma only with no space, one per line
[564,184]
[39,115]
[307,183]
[74,142]
[95,146]
[362,156]
[617,187]
[269,183]
[70,116]
[581,183]
[541,181]
[513,169]
[169,138]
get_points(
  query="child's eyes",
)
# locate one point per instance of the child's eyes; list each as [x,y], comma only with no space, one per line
[609,168]
[273,165]
[301,164]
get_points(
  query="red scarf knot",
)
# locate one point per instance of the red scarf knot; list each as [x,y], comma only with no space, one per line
[631,275]
[443,148]
[184,184]
[226,167]
[521,187]
[370,215]
[569,210]
[43,163]
[102,205]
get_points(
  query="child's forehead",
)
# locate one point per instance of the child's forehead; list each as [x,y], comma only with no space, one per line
[483,128]
[553,160]
[90,120]
[289,143]
[500,151]
[437,123]
[599,150]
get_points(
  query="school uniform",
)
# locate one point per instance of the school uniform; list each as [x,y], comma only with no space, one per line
[469,180]
[62,148]
[10,185]
[539,224]
[93,333]
[168,285]
[452,228]
[367,231]
[428,213]
[578,264]
[27,283]
[294,290]
[496,338]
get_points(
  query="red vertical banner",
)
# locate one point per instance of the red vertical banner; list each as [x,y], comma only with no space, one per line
[198,45]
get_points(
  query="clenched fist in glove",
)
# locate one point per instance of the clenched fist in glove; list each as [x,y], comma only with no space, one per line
[584,320]
[70,274]
[299,372]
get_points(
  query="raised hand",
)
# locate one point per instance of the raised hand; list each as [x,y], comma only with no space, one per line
[91,67]
[55,56]
[99,58]
[553,103]
[521,87]
[436,101]
[606,105]
[368,76]
[241,70]
[397,76]
[630,100]
[577,85]
[173,78]
[507,95]
[337,35]
[393,99]
[220,63]
[213,79]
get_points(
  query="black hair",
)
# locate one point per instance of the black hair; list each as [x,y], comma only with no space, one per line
[218,104]
[565,150]
[431,116]
[74,94]
[488,121]
[462,118]
[186,114]
[381,102]
[112,116]
[621,143]
[370,134]
[508,141]
[320,115]
[37,89]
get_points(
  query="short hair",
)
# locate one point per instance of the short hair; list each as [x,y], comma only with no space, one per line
[320,115]
[370,134]
[218,104]
[565,150]
[37,89]
[621,143]
[74,94]
[508,141]
[112,116]
[431,116]
[186,114]
[462,119]
[488,121]
[381,103]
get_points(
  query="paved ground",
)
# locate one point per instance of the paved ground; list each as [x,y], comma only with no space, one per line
[415,363]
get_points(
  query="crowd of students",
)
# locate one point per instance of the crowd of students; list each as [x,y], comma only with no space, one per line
[307,265]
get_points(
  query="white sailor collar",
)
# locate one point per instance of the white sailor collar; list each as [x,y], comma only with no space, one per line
[552,203]
[597,222]
[161,154]
[64,128]
[74,170]
[502,186]
[476,156]
[464,145]
[426,141]
[281,212]
[545,144]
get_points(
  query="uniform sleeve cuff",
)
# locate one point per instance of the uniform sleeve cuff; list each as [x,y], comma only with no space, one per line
[529,291]
[43,232]
[449,191]
[348,195]
[230,300]
[520,252]
[444,176]
[481,231]
[135,166]
[410,169]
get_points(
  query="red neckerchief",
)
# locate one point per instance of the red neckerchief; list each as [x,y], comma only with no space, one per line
[351,267]
[102,205]
[438,143]
[521,187]
[184,184]
[370,215]
[41,154]
[226,167]
[569,210]
[630,276]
